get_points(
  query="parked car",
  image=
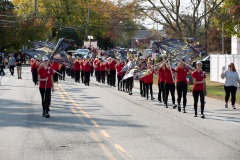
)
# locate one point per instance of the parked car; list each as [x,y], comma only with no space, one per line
[206,64]
[83,51]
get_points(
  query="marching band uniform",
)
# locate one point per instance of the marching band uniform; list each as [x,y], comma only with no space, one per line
[169,86]
[161,84]
[34,66]
[112,68]
[119,66]
[82,70]
[62,71]
[55,67]
[103,71]
[97,69]
[87,71]
[148,80]
[182,85]
[77,71]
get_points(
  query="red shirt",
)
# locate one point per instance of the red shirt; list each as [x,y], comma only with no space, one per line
[161,75]
[149,78]
[76,66]
[44,73]
[87,66]
[55,66]
[182,74]
[199,76]
[112,65]
[119,68]
[102,66]
[169,76]
[96,65]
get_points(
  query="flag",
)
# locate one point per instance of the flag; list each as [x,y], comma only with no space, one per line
[128,66]
[130,73]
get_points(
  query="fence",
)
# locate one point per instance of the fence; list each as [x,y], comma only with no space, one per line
[217,62]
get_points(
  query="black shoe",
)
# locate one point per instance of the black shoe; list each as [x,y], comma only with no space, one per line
[195,115]
[179,108]
[43,115]
[130,93]
[174,106]
[47,115]
[184,111]
[166,106]
[202,116]
[152,98]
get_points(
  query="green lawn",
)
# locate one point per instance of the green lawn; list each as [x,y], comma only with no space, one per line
[214,89]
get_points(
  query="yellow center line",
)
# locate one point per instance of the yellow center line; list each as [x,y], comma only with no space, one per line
[95,124]
[120,148]
[105,134]
[92,133]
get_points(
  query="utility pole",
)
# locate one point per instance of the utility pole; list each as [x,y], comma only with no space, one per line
[205,23]
[35,7]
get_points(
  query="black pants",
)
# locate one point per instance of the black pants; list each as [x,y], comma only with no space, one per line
[77,76]
[149,87]
[62,72]
[103,75]
[232,90]
[82,76]
[130,84]
[46,98]
[141,88]
[112,77]
[98,76]
[119,77]
[55,76]
[2,70]
[34,75]
[171,88]
[182,92]
[72,73]
[87,77]
[161,91]
[196,94]
[11,69]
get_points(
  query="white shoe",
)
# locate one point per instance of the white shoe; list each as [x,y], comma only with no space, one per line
[233,107]
[226,105]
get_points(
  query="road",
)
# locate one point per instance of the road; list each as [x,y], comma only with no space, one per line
[99,123]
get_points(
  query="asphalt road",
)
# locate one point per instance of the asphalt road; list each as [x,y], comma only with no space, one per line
[99,123]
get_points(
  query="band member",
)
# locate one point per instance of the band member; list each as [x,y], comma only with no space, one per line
[103,71]
[169,84]
[199,87]
[119,66]
[77,70]
[87,72]
[161,83]
[148,80]
[62,71]
[45,78]
[55,67]
[112,64]
[142,67]
[97,69]
[34,66]
[182,84]
[82,69]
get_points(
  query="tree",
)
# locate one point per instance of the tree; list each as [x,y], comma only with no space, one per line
[182,20]
[228,17]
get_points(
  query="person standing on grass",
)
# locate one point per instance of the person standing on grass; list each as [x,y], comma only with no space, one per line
[199,87]
[231,83]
